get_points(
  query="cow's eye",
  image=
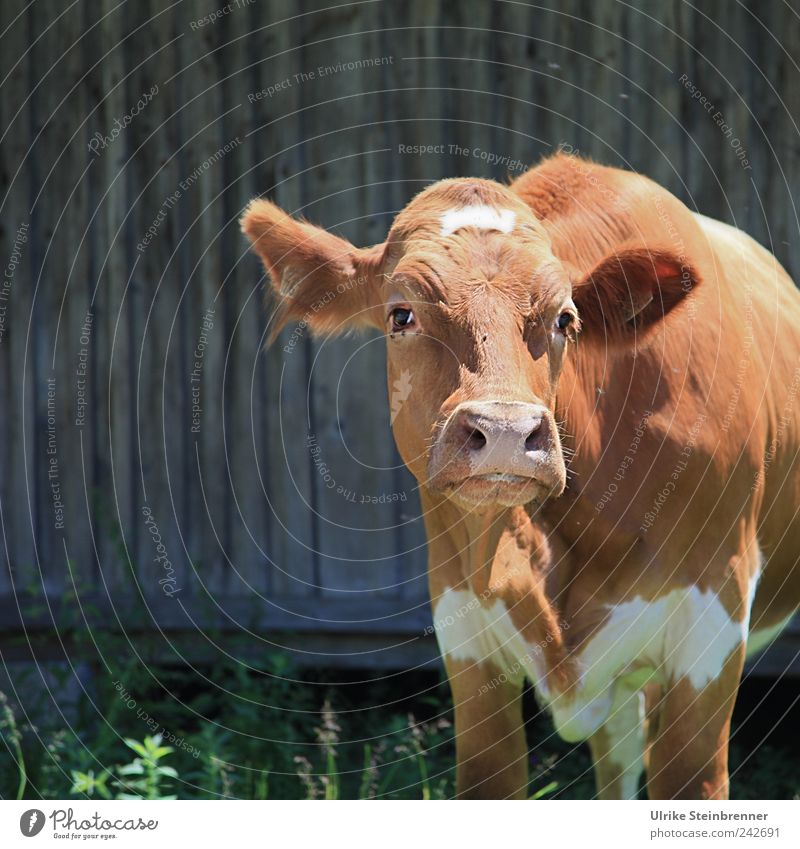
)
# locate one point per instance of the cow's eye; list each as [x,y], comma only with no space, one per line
[402,318]
[565,320]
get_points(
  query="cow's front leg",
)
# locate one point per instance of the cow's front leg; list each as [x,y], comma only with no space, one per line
[689,753]
[491,751]
[618,747]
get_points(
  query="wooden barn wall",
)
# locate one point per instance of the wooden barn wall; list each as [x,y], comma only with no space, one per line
[283,508]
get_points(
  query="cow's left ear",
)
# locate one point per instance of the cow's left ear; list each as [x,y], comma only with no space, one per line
[631,289]
[319,279]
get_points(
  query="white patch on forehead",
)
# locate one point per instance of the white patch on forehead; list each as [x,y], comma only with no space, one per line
[481,216]
[469,631]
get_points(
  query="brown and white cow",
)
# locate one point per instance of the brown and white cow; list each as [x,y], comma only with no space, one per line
[605,431]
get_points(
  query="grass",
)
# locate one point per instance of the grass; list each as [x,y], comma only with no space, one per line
[271,731]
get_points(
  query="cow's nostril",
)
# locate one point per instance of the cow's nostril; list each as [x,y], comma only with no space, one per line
[532,440]
[475,440]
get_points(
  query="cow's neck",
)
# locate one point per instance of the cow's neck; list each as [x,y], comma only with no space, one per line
[499,556]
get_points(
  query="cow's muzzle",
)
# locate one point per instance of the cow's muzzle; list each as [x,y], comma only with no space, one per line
[498,453]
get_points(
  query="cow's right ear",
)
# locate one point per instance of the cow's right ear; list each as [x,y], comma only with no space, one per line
[631,290]
[320,279]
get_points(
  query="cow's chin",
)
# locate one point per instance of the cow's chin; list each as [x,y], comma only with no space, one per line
[479,493]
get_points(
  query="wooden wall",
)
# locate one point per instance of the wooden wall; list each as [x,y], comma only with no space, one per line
[119,250]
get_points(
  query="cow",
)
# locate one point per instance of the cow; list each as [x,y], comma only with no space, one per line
[604,428]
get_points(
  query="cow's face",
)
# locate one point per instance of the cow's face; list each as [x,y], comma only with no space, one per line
[479,316]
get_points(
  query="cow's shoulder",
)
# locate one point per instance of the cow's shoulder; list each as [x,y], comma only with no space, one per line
[589,209]
[565,184]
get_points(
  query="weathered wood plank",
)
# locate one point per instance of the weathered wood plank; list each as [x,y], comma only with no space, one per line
[157,223]
[54,34]
[16,292]
[245,412]
[74,329]
[276,138]
[206,129]
[117,513]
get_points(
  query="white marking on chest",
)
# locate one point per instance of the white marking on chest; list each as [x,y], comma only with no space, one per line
[481,216]
[469,631]
[686,633]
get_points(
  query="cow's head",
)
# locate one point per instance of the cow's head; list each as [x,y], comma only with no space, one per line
[478,316]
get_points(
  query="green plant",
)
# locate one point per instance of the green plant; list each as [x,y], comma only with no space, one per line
[328,736]
[545,791]
[369,774]
[11,736]
[140,779]
[146,771]
[89,784]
